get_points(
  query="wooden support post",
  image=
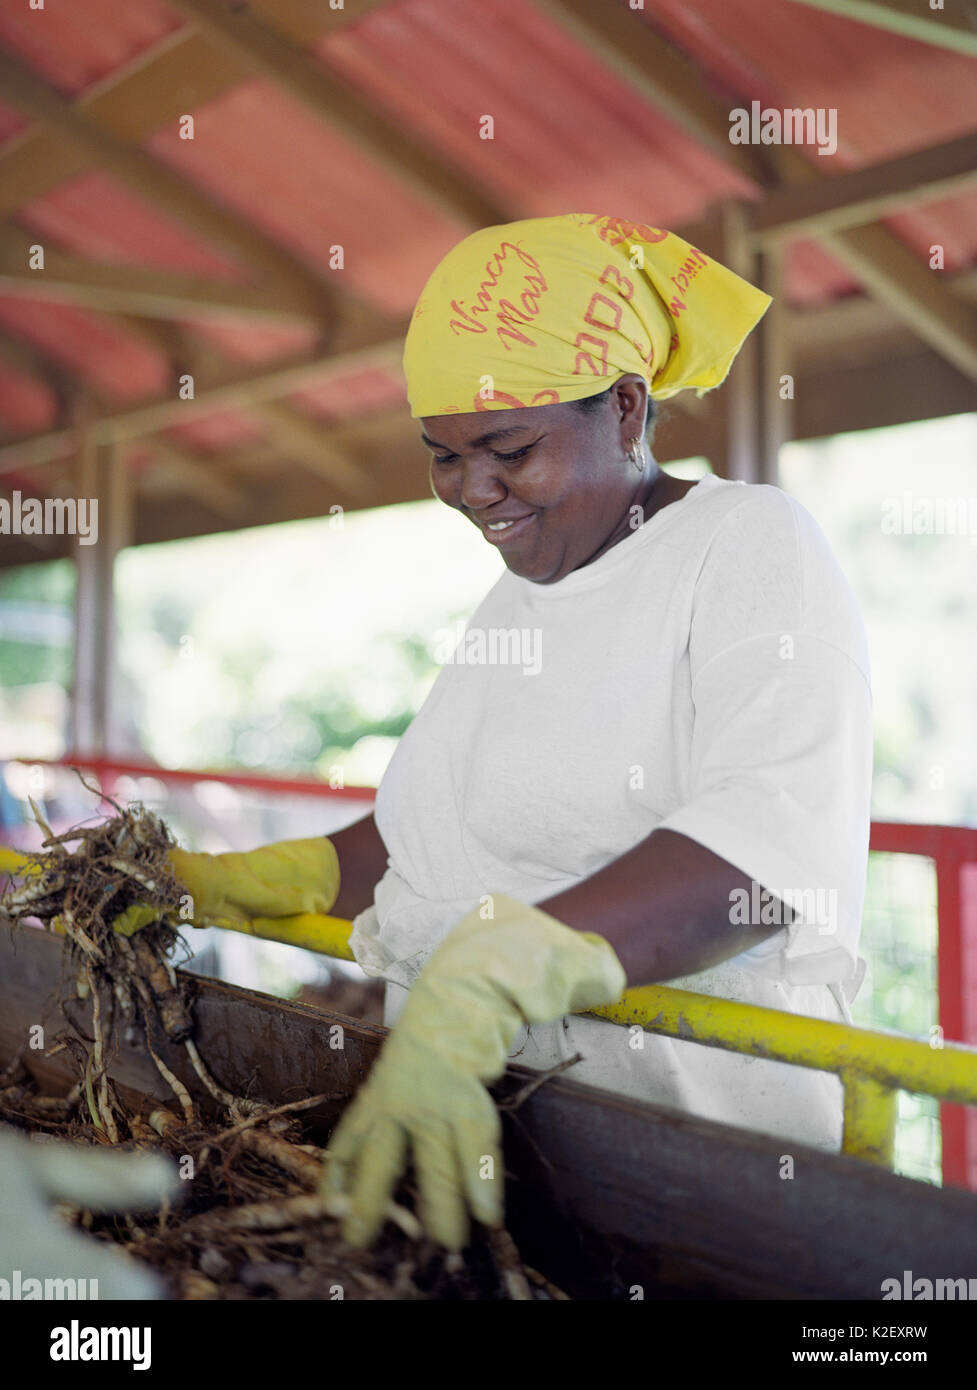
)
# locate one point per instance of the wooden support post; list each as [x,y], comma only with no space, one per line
[83,717]
[102,481]
[741,390]
[758,420]
[777,376]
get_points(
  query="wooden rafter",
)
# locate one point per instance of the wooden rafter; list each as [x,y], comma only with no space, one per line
[313,445]
[659,72]
[177,76]
[136,289]
[187,70]
[35,362]
[292,434]
[862,195]
[129,107]
[897,277]
[160,185]
[813,334]
[266,50]
[240,390]
[894,275]
[858,328]
[951,24]
[307,20]
[174,470]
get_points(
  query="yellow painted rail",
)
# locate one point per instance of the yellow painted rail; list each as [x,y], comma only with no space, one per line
[872,1066]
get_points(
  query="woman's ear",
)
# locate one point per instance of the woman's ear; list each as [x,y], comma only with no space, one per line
[631,402]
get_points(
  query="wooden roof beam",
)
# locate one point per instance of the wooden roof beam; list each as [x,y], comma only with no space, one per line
[176,471]
[241,390]
[882,263]
[306,20]
[660,73]
[61,378]
[177,74]
[905,284]
[34,362]
[887,269]
[157,183]
[174,77]
[862,195]
[312,445]
[858,328]
[267,51]
[136,289]
[950,26]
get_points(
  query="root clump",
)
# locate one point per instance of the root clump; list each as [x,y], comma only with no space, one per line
[252,1224]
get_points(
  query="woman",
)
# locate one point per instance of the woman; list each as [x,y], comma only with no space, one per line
[675,787]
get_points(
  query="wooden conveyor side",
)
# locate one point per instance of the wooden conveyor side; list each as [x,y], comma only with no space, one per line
[606,1194]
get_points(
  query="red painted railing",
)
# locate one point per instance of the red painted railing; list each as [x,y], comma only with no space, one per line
[953,850]
[107,768]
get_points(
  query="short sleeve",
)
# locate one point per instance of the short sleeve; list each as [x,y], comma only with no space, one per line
[781,749]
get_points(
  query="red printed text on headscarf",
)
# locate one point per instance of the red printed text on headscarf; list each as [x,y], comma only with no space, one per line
[511,317]
[606,314]
[687,272]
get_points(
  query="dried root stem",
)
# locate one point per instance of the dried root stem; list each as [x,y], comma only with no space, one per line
[255,1204]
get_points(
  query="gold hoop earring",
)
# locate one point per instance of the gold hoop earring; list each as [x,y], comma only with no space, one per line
[636,453]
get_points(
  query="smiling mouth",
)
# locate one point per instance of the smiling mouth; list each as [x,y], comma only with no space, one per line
[499,532]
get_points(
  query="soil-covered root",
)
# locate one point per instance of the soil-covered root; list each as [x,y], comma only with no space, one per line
[252,1223]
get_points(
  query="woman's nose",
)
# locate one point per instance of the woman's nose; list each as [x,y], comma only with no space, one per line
[480,486]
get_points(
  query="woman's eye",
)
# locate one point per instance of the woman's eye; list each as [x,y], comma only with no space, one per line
[445,459]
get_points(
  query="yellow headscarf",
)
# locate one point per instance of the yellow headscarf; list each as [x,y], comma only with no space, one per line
[557,308]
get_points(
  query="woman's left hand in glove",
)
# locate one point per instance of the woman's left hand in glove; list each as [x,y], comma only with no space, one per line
[426,1093]
[277,880]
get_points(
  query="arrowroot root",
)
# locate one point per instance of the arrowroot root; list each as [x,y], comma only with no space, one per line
[252,1223]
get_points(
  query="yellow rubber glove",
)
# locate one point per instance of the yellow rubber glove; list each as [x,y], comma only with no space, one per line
[486,979]
[277,880]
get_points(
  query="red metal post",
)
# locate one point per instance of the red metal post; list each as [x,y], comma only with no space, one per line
[954,852]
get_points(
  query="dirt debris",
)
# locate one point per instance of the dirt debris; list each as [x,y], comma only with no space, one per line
[252,1224]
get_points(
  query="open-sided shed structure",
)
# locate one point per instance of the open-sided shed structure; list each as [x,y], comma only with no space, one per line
[215,218]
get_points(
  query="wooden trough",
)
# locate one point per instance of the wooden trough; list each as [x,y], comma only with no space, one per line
[610,1198]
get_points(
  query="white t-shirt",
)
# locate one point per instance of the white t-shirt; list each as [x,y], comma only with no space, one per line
[709,674]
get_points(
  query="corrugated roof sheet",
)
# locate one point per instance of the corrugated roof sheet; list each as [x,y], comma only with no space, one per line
[892,96]
[569,135]
[262,154]
[116,364]
[74,46]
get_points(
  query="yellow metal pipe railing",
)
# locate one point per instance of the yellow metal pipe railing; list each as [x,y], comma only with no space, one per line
[872,1065]
[13,861]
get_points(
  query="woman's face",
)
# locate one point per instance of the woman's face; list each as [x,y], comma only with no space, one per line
[559,474]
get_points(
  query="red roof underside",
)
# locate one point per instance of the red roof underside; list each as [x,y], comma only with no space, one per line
[569,135]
